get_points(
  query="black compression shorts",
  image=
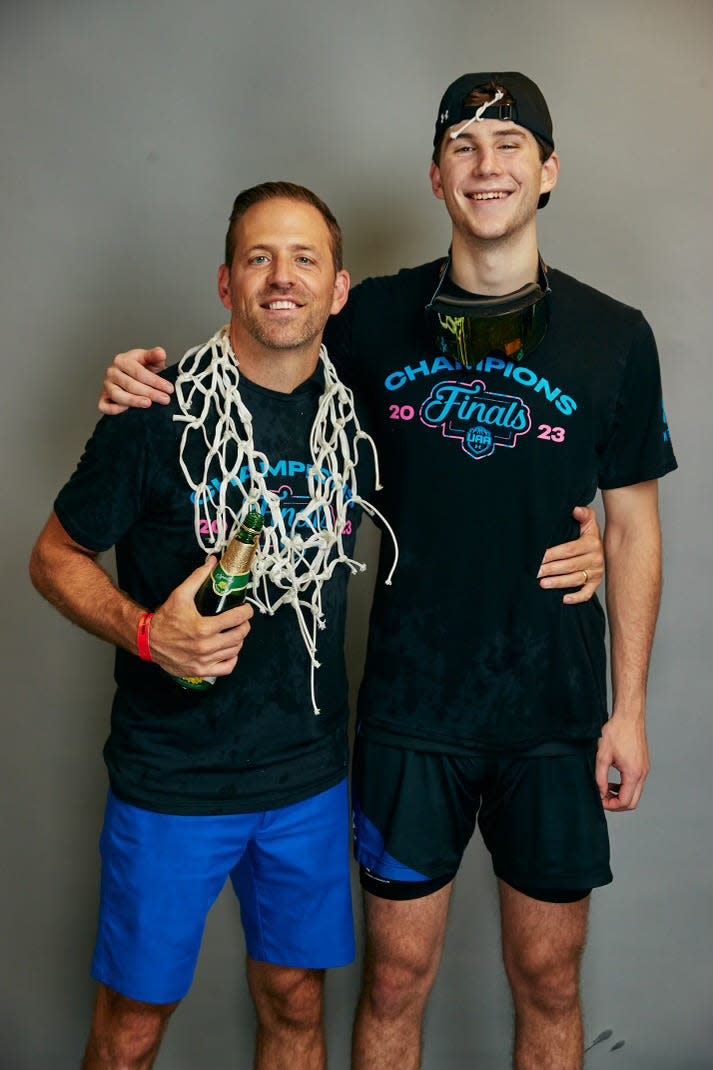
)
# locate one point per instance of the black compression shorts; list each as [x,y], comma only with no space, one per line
[539,812]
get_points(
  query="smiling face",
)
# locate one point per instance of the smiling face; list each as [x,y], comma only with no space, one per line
[491,178]
[282,285]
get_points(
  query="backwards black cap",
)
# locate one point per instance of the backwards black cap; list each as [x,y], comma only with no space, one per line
[529,108]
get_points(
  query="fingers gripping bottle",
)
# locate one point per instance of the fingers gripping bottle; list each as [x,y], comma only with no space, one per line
[227,585]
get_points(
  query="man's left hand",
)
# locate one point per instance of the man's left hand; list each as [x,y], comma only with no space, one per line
[576,564]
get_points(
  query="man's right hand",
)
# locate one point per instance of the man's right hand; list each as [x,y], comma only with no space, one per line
[186,644]
[131,381]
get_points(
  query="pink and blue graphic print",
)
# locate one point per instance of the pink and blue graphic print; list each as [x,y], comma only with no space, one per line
[480,419]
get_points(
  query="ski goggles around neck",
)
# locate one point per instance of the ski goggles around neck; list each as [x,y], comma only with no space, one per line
[470,327]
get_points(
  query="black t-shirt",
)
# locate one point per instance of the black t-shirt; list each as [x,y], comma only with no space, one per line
[253,741]
[481,470]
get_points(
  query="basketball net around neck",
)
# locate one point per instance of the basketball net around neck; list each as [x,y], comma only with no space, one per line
[296,558]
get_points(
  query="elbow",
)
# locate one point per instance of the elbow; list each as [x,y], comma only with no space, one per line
[47,557]
[38,568]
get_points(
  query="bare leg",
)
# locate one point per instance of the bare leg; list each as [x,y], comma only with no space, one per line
[542,950]
[404,942]
[125,1035]
[290,1011]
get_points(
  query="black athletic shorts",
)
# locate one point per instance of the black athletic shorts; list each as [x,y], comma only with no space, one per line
[539,812]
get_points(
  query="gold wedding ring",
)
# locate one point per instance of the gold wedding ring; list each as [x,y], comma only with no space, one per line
[586,576]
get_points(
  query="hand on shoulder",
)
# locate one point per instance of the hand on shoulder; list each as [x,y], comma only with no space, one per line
[132,381]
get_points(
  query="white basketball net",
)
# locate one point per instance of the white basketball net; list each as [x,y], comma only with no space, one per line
[294,559]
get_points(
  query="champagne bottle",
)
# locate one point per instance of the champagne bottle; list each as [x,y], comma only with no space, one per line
[227,585]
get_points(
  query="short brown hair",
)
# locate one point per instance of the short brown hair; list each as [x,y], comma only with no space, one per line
[290,191]
[482,95]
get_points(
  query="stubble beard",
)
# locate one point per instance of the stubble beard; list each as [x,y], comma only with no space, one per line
[510,229]
[286,336]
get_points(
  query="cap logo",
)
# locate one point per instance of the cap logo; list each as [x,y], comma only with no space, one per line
[443,116]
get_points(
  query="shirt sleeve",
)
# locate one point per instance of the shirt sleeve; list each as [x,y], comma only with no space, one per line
[639,444]
[338,340]
[103,497]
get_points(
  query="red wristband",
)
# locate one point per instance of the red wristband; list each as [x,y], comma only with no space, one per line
[143,635]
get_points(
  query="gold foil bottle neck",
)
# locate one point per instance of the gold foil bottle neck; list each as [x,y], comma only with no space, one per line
[237,558]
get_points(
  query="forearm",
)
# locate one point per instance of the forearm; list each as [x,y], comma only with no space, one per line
[182,641]
[632,549]
[70,577]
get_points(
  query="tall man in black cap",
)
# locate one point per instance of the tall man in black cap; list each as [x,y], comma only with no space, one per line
[502,394]
[511,392]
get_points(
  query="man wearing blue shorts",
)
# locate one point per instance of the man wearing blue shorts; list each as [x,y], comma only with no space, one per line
[242,781]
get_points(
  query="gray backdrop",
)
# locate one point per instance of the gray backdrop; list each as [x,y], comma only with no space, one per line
[127,130]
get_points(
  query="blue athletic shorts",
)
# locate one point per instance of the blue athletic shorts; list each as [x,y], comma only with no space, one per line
[162,873]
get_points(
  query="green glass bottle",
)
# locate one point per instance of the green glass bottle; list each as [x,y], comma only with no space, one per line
[227,585]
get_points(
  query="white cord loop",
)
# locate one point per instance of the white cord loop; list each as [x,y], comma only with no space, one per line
[478,117]
[297,557]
